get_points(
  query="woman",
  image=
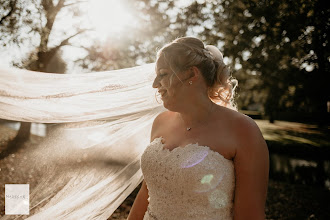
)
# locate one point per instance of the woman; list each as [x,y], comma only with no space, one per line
[205,160]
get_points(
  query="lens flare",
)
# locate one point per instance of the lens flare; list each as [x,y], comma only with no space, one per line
[194,159]
[207,179]
[209,182]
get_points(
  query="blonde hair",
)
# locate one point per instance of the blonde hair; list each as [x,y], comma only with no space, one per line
[186,52]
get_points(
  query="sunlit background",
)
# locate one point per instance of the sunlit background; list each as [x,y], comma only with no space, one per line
[278,51]
[110,17]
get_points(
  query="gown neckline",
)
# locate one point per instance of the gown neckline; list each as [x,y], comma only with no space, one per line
[186,147]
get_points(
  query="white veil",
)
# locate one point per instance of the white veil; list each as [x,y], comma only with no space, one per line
[90,156]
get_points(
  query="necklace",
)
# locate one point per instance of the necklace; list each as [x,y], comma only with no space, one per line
[189,128]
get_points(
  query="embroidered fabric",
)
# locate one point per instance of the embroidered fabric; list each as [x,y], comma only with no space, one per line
[191,182]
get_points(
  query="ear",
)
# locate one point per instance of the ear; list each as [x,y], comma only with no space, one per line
[194,73]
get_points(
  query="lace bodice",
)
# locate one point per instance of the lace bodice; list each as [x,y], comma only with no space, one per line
[191,182]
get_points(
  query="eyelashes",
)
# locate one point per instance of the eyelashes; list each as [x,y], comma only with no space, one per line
[162,75]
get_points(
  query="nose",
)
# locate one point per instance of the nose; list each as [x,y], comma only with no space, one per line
[156,83]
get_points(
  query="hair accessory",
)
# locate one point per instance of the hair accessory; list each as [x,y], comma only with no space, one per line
[190,82]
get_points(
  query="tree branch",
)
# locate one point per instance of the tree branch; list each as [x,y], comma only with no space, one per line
[59,5]
[47,5]
[74,3]
[66,41]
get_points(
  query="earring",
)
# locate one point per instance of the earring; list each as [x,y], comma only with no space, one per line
[190,82]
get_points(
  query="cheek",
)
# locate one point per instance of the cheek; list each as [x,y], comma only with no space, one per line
[166,83]
[171,85]
[173,82]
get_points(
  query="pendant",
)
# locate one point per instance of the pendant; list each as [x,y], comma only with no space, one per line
[188,129]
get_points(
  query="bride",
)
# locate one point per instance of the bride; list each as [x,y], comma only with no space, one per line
[205,160]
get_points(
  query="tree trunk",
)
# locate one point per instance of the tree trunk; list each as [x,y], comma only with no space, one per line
[23,133]
[271,118]
[14,145]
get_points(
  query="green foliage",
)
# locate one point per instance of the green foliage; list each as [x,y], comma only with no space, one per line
[282,47]
[277,49]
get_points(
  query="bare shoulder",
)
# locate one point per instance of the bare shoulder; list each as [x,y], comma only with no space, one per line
[244,130]
[161,118]
[249,138]
[245,125]
[159,122]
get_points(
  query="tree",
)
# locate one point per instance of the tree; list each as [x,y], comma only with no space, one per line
[283,43]
[21,23]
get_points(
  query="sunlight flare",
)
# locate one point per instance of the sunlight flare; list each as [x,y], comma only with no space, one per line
[110,17]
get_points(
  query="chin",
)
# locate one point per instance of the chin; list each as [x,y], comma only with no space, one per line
[170,106]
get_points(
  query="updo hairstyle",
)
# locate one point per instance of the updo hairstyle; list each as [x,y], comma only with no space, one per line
[186,52]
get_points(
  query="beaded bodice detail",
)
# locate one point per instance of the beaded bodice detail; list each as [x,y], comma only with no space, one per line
[191,182]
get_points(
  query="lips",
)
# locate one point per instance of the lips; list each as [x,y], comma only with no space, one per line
[162,92]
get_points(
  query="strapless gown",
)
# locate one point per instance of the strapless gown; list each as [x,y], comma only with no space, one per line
[191,182]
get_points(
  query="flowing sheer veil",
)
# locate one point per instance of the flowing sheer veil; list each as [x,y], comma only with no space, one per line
[91,155]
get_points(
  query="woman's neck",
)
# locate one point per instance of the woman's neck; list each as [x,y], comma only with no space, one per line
[197,113]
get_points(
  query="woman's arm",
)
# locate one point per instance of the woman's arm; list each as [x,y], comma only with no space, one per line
[251,171]
[140,204]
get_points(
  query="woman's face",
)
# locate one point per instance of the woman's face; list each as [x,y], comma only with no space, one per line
[168,84]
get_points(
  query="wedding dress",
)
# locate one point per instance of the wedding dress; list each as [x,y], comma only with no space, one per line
[191,182]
